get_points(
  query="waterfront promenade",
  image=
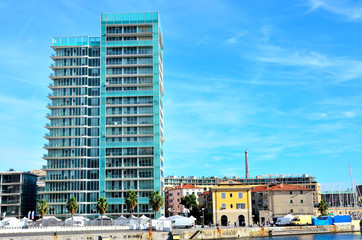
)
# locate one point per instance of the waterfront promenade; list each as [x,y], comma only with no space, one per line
[111,232]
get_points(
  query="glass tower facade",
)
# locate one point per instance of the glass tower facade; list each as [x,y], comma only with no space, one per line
[106,121]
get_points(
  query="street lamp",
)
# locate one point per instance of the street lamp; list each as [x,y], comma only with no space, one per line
[203,217]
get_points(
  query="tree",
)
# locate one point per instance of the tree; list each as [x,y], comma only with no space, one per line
[188,201]
[72,206]
[131,201]
[42,208]
[360,202]
[102,207]
[323,207]
[197,212]
[156,201]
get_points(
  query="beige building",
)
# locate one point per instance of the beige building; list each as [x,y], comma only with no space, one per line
[278,200]
[231,204]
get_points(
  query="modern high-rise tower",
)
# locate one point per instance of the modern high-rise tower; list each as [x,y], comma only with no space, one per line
[106,121]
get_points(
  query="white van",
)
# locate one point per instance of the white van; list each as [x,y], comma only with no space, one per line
[283,221]
[181,223]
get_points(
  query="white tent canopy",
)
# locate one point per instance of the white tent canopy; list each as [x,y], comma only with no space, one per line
[176,217]
[77,218]
[49,218]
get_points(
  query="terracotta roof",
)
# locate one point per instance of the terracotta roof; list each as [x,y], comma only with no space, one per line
[205,193]
[186,186]
[279,187]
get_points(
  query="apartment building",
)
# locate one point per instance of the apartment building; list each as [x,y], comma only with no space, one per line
[106,116]
[174,195]
[18,193]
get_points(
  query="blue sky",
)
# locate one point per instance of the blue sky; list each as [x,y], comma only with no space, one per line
[281,79]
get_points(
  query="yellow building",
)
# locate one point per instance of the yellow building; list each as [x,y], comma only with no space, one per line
[231,204]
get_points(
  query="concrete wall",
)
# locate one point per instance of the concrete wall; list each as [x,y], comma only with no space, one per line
[224,233]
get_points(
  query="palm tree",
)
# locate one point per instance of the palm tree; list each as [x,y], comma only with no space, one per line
[156,201]
[42,208]
[323,207]
[102,207]
[72,206]
[131,201]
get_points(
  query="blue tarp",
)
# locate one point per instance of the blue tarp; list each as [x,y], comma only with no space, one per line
[342,219]
[322,221]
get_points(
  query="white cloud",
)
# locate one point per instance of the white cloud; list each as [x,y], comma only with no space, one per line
[351,13]
[350,114]
[330,68]
[236,38]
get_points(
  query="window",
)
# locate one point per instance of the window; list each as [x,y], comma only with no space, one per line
[187,193]
[231,206]
[231,195]
[291,192]
[291,201]
[291,210]
[240,206]
[178,194]
[301,201]
[223,195]
[223,205]
[301,192]
[240,195]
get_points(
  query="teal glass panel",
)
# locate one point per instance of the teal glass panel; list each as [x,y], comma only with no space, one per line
[133,18]
[71,41]
[103,17]
[141,17]
[125,18]
[117,18]
[110,18]
[148,17]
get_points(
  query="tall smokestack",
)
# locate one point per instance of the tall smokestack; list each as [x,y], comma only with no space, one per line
[246,165]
